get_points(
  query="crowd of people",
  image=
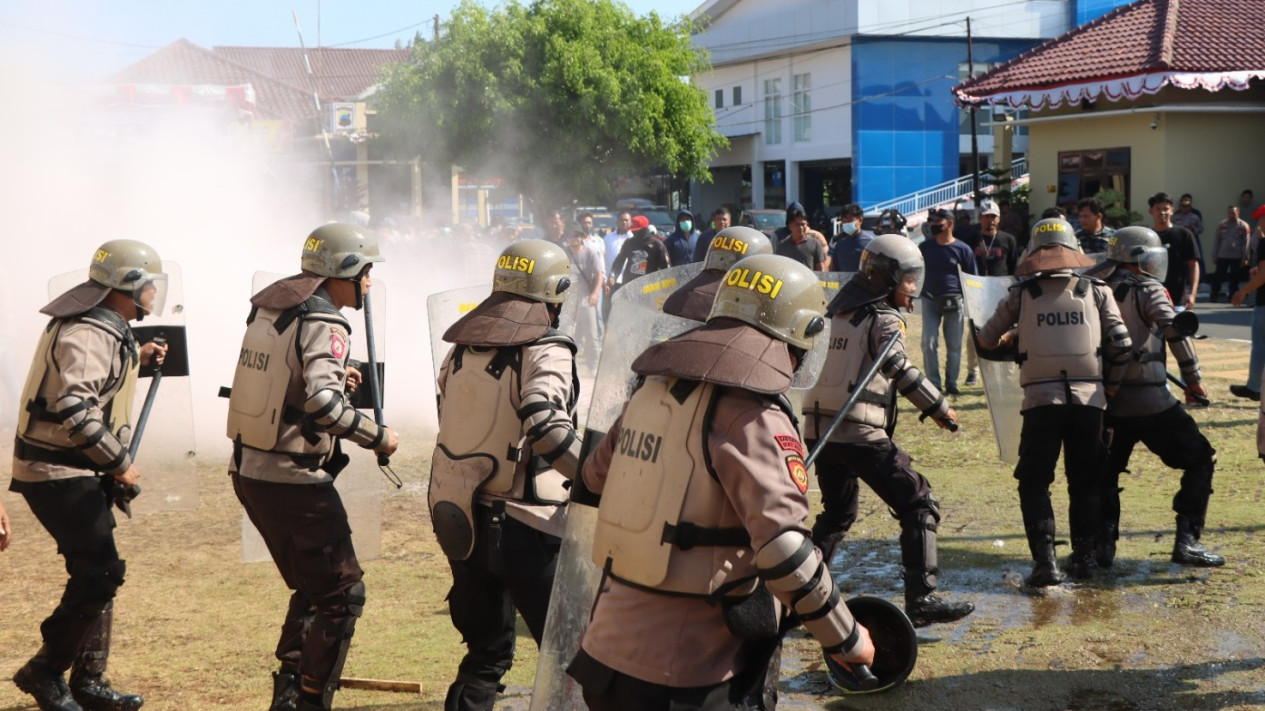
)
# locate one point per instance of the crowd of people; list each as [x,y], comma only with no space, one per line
[701,484]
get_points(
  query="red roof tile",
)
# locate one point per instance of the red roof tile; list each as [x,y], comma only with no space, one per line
[1134,49]
[341,74]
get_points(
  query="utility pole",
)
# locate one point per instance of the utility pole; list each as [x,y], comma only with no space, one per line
[970,74]
[435,33]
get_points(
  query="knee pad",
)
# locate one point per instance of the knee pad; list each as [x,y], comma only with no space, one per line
[93,583]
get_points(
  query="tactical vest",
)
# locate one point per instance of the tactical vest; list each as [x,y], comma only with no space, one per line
[1059,330]
[482,451]
[37,424]
[1146,363]
[664,522]
[265,407]
[846,361]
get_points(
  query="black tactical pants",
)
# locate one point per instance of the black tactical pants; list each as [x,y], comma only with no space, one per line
[76,513]
[889,472]
[1174,437]
[608,690]
[1077,430]
[305,528]
[511,568]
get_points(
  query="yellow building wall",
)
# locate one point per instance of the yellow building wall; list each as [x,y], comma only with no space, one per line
[1213,156]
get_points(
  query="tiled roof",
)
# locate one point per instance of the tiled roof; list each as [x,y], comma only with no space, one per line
[1135,49]
[341,74]
[185,63]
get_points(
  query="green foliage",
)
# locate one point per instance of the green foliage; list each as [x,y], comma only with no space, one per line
[999,179]
[1116,214]
[558,97]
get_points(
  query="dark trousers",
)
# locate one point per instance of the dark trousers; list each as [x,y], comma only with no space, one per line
[1174,437]
[1077,430]
[76,513]
[305,528]
[1230,270]
[608,690]
[511,568]
[889,472]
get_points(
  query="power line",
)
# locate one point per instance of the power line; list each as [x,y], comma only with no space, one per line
[79,38]
[385,34]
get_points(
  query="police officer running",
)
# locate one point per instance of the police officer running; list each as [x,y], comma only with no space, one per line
[706,458]
[506,447]
[1144,410]
[1067,326]
[695,297]
[287,417]
[864,316]
[71,450]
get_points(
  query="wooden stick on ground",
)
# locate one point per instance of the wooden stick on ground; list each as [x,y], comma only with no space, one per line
[405,687]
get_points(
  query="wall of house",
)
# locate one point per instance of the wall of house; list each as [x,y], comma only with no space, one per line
[1213,156]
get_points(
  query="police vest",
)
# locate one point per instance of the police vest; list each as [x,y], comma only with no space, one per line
[1059,330]
[37,424]
[664,522]
[847,359]
[1146,364]
[265,407]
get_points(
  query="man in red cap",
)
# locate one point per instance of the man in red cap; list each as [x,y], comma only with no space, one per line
[640,254]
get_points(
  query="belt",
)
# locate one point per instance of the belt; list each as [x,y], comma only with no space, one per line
[61,457]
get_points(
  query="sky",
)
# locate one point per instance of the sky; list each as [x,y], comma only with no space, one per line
[89,39]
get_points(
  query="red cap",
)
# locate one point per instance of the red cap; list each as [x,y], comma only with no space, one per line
[640,222]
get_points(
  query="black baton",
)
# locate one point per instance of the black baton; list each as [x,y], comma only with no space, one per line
[1203,401]
[384,461]
[122,493]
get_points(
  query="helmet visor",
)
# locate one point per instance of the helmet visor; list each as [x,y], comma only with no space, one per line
[911,280]
[151,295]
[1153,261]
[814,359]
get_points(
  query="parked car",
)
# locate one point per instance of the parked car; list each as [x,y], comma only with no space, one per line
[662,220]
[767,221]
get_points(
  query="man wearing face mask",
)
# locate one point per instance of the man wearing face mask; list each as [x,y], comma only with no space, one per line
[683,240]
[845,253]
[942,298]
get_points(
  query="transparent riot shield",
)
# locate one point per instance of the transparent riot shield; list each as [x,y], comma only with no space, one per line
[166,454]
[360,484]
[655,288]
[981,295]
[636,322]
[446,308]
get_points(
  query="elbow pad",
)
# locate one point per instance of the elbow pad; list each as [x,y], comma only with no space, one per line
[794,572]
[329,411]
[82,421]
[551,433]
[914,386]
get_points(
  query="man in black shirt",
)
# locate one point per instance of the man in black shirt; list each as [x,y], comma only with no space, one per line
[799,244]
[1182,281]
[640,254]
[996,254]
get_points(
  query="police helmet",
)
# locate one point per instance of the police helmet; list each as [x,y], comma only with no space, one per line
[339,251]
[534,268]
[1053,231]
[777,295]
[889,261]
[132,267]
[1141,246]
[733,243]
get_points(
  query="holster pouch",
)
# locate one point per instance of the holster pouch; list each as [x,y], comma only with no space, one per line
[949,303]
[337,462]
[494,532]
[752,617]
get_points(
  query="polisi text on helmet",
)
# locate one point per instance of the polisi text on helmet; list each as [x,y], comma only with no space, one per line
[759,281]
[1052,226]
[516,263]
[101,256]
[312,245]
[730,244]
[1064,318]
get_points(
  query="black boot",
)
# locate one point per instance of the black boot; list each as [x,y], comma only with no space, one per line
[1083,561]
[285,690]
[1045,571]
[1106,553]
[1187,550]
[471,696]
[48,688]
[94,693]
[925,607]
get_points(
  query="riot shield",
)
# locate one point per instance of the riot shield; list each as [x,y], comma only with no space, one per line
[167,455]
[443,310]
[360,484]
[981,295]
[636,322]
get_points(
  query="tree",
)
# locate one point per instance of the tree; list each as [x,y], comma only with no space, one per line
[558,98]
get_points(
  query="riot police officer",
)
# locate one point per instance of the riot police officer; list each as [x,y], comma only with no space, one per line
[72,446]
[288,415]
[703,495]
[1144,410]
[506,447]
[1072,348]
[864,315]
[695,297]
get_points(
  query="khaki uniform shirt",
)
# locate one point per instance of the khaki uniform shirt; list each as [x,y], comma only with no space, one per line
[682,641]
[885,324]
